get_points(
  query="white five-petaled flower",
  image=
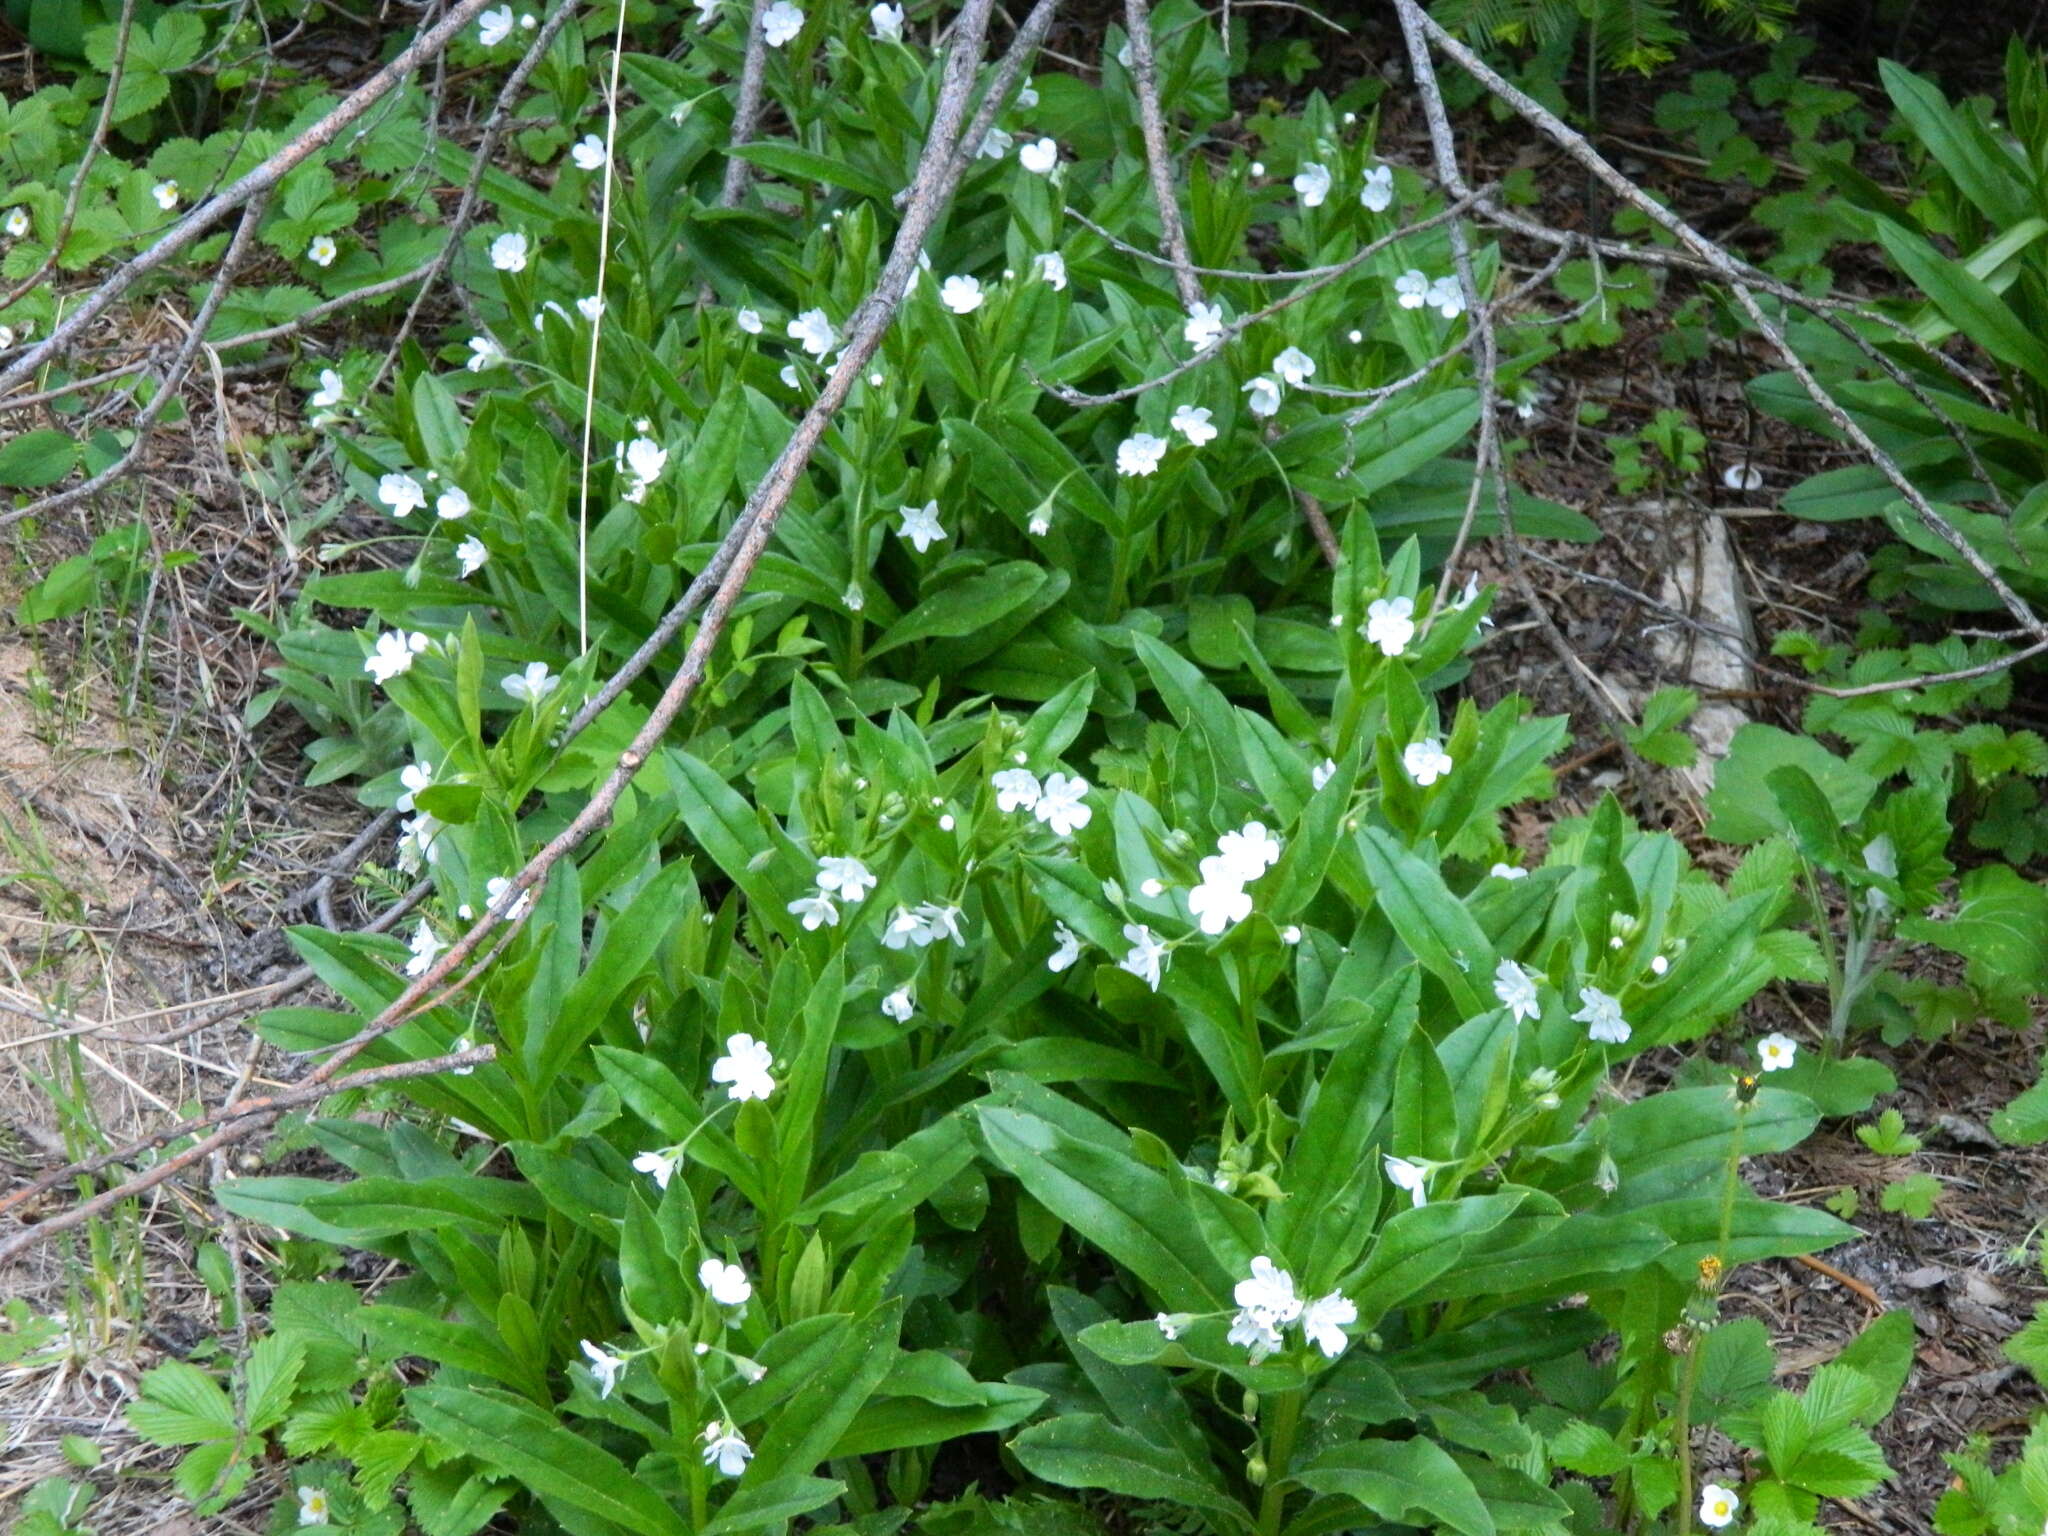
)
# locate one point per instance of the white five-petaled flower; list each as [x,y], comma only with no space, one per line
[166,194]
[508,251]
[727,1283]
[332,391]
[1743,476]
[1322,773]
[1409,1176]
[412,778]
[1205,326]
[1390,624]
[726,1448]
[1144,958]
[1252,1331]
[1041,157]
[402,494]
[1016,789]
[996,145]
[921,526]
[1220,900]
[472,554]
[748,320]
[1602,1017]
[1516,989]
[1295,366]
[1067,948]
[605,1366]
[816,910]
[484,352]
[1776,1051]
[1447,296]
[850,878]
[659,1165]
[1323,1322]
[1062,804]
[781,22]
[1192,423]
[1169,1326]
[1411,288]
[961,294]
[1051,268]
[1717,1506]
[1250,851]
[393,654]
[590,306]
[493,27]
[452,505]
[887,22]
[532,684]
[588,153]
[17,222]
[313,1507]
[744,1067]
[1140,454]
[900,1004]
[1264,393]
[1268,1293]
[321,250]
[813,332]
[1377,195]
[1426,761]
[424,948]
[1312,184]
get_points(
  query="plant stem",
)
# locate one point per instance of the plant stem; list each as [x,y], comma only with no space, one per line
[1279,1450]
[1681,1433]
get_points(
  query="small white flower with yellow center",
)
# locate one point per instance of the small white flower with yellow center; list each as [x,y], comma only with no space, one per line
[313,1506]
[1776,1052]
[166,194]
[17,222]
[1717,1506]
[322,251]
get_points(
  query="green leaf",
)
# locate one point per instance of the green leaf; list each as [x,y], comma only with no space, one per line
[1744,810]
[1410,1482]
[181,1405]
[1434,924]
[966,607]
[1736,1369]
[1085,1450]
[770,1505]
[269,1380]
[803,165]
[36,459]
[2000,927]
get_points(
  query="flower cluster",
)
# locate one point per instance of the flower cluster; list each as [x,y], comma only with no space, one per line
[1060,802]
[845,878]
[922,925]
[1267,1304]
[1415,289]
[1240,858]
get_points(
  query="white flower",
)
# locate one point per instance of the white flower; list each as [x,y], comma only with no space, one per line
[17,222]
[1291,934]
[1323,1322]
[902,930]
[1016,789]
[393,654]
[452,504]
[749,320]
[849,877]
[1040,158]
[1068,950]
[1269,1293]
[724,1446]
[416,843]
[961,294]
[588,153]
[402,494]
[1312,185]
[1061,804]
[1151,888]
[1168,1325]
[707,12]
[1322,773]
[1377,195]
[1140,454]
[1220,899]
[332,391]
[1447,296]
[605,1366]
[508,252]
[817,911]
[484,352]
[1040,525]
[533,684]
[1717,1506]
[1516,989]
[646,459]
[1412,288]
[1426,761]
[496,889]
[1467,596]
[1507,872]
[472,554]
[1250,851]
[813,332]
[1602,1017]
[781,22]
[727,1283]
[321,250]
[166,195]
[493,27]
[1659,965]
[590,306]
[1743,476]
[1192,423]
[1390,624]
[412,778]
[1205,326]
[936,922]
[1255,1333]
[1143,958]
[1775,1052]
[659,1166]
[424,948]
[1051,266]
[1413,1177]
[921,526]
[1295,366]
[1265,396]
[745,1066]
[900,1004]
[887,21]
[312,1506]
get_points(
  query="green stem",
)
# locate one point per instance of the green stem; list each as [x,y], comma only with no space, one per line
[1681,1432]
[1280,1449]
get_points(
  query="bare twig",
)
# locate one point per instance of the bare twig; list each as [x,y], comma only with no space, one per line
[1152,122]
[746,111]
